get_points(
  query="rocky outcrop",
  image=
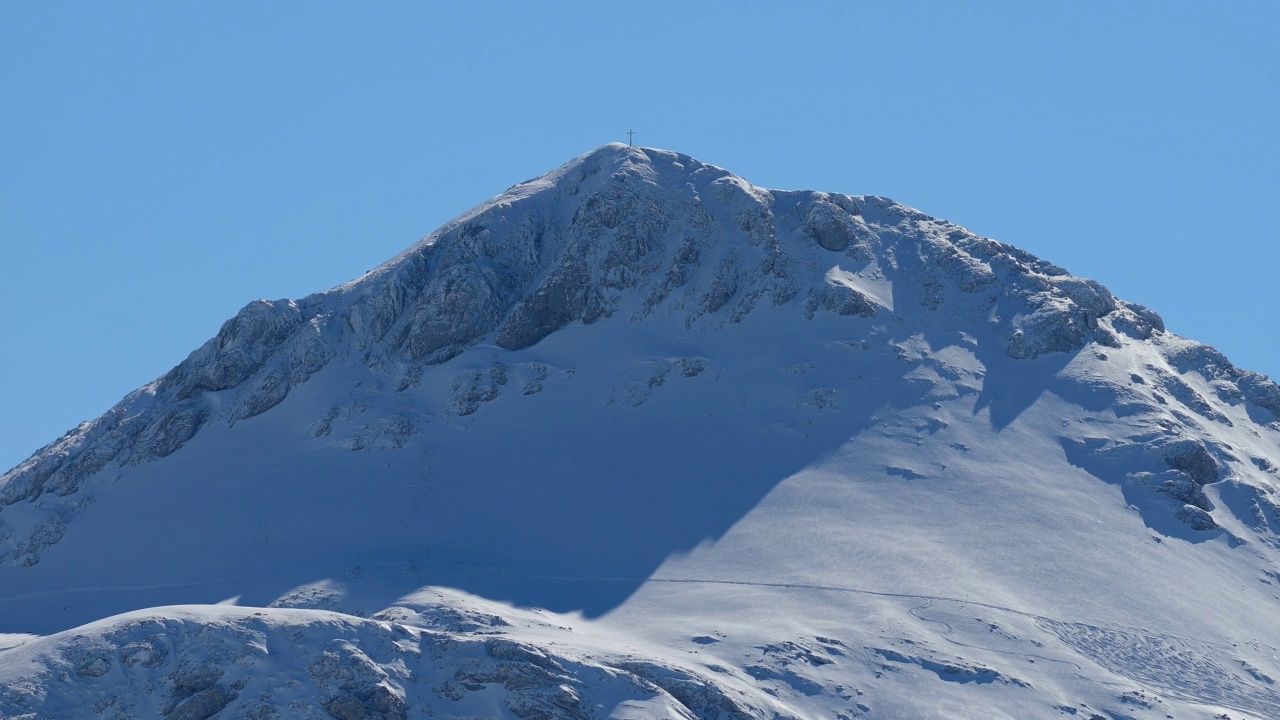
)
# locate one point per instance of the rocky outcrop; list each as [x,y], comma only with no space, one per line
[247,663]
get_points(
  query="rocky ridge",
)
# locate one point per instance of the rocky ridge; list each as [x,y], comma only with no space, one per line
[448,655]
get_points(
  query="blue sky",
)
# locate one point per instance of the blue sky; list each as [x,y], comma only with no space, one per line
[165,163]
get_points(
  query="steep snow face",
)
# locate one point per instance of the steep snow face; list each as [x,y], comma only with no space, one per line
[767,453]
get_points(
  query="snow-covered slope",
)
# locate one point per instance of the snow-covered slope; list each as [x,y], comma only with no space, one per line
[755,454]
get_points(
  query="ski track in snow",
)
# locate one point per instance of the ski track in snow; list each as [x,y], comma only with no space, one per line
[1169,663]
[949,630]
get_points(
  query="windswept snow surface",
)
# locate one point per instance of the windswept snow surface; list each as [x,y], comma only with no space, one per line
[638,439]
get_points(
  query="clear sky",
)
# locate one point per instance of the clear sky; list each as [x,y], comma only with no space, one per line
[165,163]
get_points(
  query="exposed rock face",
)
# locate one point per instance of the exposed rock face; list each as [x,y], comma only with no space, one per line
[620,234]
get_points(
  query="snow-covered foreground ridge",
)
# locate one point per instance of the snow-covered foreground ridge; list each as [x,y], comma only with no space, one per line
[758,453]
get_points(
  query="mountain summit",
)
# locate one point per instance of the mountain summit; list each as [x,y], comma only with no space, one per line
[638,439]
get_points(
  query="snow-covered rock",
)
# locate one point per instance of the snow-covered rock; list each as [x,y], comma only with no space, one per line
[760,453]
[199,662]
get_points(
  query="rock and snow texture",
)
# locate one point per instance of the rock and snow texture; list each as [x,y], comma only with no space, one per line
[422,658]
[758,453]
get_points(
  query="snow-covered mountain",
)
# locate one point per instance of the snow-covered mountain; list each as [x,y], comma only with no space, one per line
[637,439]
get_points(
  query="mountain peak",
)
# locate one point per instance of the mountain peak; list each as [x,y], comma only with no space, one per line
[637,234]
[672,408]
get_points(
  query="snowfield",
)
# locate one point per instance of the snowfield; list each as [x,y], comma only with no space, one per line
[637,439]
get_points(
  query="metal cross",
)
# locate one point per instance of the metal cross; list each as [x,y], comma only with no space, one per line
[631,134]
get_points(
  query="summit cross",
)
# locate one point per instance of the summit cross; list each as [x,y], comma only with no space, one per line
[631,134]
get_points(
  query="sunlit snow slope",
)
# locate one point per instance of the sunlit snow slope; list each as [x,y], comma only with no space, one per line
[637,439]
